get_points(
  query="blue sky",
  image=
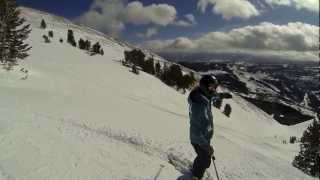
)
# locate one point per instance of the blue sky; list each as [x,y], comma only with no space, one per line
[188,24]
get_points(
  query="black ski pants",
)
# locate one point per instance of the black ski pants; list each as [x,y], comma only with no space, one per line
[201,162]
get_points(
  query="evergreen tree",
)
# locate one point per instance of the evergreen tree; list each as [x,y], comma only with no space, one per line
[227,110]
[148,66]
[71,39]
[13,33]
[135,69]
[46,39]
[309,156]
[135,56]
[192,77]
[96,49]
[101,52]
[43,24]
[138,57]
[50,34]
[81,44]
[166,76]
[176,76]
[127,57]
[158,69]
[187,81]
[87,45]
[292,139]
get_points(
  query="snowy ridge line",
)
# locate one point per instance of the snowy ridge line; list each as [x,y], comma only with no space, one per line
[61,22]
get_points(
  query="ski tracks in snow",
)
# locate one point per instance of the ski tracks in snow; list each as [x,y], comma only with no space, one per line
[177,154]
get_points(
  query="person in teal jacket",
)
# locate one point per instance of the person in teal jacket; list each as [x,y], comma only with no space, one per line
[201,122]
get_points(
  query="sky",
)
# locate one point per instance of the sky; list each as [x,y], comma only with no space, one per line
[286,27]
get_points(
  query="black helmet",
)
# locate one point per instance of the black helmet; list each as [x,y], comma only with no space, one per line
[208,79]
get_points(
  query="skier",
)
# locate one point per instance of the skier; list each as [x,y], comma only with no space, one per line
[201,122]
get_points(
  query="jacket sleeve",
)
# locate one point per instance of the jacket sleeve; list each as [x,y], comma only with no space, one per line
[198,129]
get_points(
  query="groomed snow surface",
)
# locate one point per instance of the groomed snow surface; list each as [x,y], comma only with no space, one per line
[81,117]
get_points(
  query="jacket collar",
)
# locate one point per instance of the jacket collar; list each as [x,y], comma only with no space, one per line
[197,96]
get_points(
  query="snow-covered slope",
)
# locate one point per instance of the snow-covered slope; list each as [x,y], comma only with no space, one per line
[77,116]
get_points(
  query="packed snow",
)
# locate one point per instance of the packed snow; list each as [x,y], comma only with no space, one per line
[76,116]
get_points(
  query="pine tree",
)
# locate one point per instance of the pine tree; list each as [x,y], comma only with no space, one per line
[43,24]
[135,56]
[165,75]
[187,81]
[96,49]
[176,76]
[135,69]
[46,39]
[50,34]
[227,110]
[70,38]
[87,45]
[148,66]
[309,156]
[192,77]
[81,44]
[101,52]
[13,33]
[158,69]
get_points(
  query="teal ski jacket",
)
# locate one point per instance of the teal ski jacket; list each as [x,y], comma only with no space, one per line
[201,119]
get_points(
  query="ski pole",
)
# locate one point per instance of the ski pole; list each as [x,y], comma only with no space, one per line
[215,168]
[158,173]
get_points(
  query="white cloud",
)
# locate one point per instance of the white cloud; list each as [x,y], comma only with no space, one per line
[160,14]
[190,20]
[104,15]
[310,5]
[149,33]
[182,23]
[266,36]
[292,40]
[230,9]
[279,2]
[182,43]
[157,45]
[110,16]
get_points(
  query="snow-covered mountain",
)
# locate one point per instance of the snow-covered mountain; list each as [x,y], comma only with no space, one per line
[288,92]
[68,115]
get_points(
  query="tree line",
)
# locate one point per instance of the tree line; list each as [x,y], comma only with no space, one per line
[82,44]
[171,75]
